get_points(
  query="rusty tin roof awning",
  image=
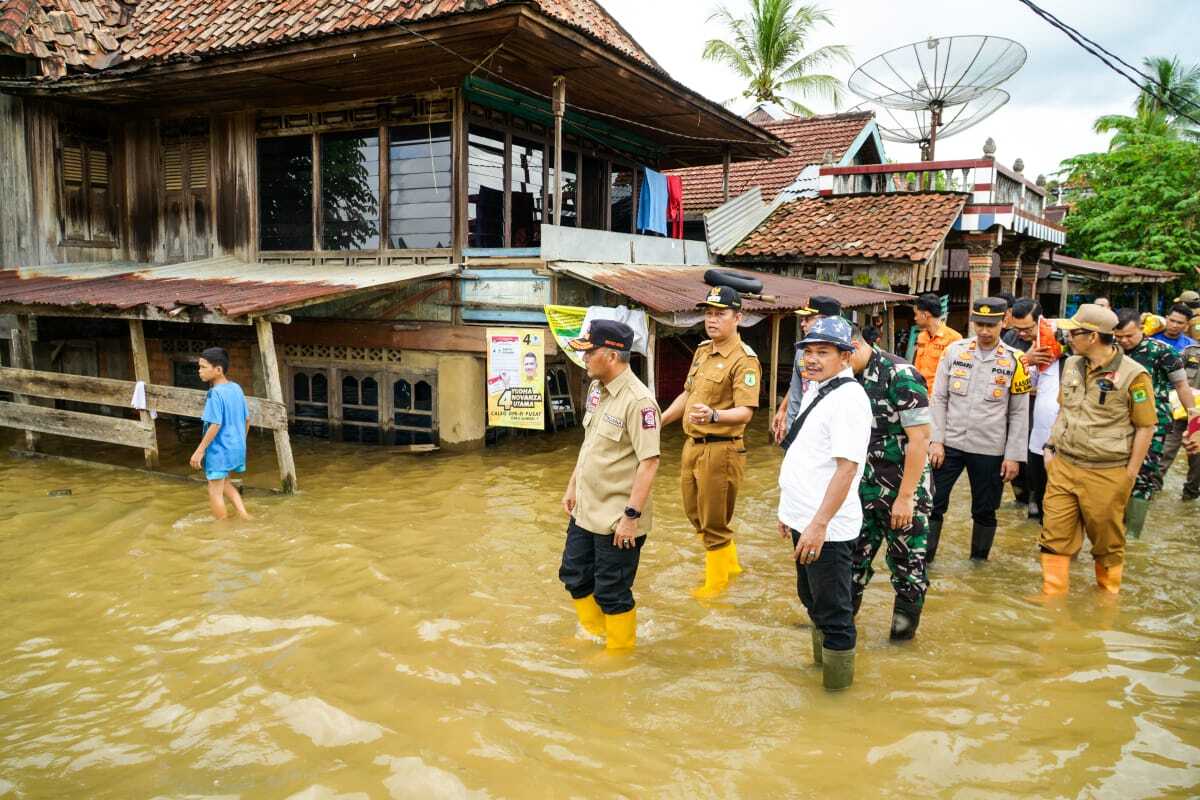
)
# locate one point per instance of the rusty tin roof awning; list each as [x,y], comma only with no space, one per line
[217,290]
[667,291]
[1113,273]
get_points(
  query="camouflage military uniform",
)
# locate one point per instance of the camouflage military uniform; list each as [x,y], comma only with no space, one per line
[1163,363]
[898,400]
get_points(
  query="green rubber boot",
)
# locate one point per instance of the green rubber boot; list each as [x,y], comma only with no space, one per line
[839,669]
[1135,517]
[818,639]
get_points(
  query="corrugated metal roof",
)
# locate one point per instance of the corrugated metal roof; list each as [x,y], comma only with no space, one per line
[671,289]
[226,286]
[725,227]
[1114,270]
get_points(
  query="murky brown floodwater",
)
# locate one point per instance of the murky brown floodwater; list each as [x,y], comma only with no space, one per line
[399,631]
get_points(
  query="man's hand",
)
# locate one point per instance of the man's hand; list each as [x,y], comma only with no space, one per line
[784,531]
[568,500]
[1038,357]
[902,512]
[700,414]
[1009,470]
[808,549]
[1192,444]
[779,424]
[626,535]
[197,460]
[937,454]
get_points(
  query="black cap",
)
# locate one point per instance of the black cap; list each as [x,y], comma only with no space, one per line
[721,297]
[605,333]
[989,310]
[821,304]
[929,303]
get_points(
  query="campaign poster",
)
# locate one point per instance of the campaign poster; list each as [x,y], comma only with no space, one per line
[516,382]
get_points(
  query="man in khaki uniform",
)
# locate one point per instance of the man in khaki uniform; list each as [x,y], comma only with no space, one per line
[716,404]
[608,496]
[1105,422]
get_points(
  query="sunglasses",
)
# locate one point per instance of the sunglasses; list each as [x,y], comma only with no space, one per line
[1078,332]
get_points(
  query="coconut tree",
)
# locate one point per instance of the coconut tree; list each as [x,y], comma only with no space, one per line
[1175,88]
[766,48]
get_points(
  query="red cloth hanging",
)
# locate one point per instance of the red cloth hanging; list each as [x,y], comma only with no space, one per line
[675,206]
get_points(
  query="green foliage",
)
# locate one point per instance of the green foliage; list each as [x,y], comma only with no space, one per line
[766,49]
[1145,210]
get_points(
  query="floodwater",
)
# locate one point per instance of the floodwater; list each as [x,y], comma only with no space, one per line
[398,631]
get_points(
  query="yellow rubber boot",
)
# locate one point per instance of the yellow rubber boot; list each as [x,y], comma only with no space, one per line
[1109,578]
[622,630]
[716,573]
[590,615]
[734,567]
[1056,574]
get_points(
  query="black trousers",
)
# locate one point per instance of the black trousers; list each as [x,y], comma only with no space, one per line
[592,564]
[826,588]
[1036,469]
[987,487]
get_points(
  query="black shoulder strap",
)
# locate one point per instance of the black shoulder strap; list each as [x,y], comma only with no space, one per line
[822,393]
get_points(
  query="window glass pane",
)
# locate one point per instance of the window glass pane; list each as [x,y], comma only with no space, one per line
[424,396]
[360,415]
[620,198]
[320,388]
[593,199]
[485,190]
[420,186]
[414,420]
[285,185]
[370,392]
[528,159]
[401,395]
[570,179]
[350,390]
[350,190]
[300,387]
[312,410]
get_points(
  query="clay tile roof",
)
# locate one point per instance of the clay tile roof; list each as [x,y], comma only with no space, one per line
[163,30]
[889,227]
[812,140]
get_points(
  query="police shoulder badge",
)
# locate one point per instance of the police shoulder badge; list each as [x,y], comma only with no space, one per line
[649,419]
[751,379]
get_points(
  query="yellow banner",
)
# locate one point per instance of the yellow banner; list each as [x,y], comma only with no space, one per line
[516,383]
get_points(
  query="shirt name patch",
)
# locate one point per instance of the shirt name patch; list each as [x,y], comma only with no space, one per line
[649,419]
[611,420]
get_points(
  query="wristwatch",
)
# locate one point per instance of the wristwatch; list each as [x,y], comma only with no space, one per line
[632,512]
[713,417]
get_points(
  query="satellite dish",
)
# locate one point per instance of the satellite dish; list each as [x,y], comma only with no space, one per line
[917,127]
[938,74]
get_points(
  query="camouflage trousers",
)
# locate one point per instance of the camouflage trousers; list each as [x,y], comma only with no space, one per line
[905,554]
[1150,476]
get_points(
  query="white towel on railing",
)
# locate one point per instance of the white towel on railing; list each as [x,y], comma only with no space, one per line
[139,399]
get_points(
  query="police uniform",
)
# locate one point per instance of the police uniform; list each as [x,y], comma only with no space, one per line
[621,427]
[980,405]
[714,454]
[1088,485]
[899,400]
[1191,368]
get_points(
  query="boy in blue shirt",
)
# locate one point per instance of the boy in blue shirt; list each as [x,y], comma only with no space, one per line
[1177,324]
[226,425]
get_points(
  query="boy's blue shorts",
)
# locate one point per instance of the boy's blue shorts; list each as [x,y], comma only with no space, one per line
[217,475]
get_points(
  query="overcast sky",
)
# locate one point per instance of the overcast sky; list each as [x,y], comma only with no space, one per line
[1055,97]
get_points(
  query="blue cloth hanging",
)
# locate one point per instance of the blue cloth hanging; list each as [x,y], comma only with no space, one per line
[652,203]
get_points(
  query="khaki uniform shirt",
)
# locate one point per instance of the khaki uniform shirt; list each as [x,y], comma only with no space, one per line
[980,401]
[1193,329]
[1099,408]
[621,424]
[728,377]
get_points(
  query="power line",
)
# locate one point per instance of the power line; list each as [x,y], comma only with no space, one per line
[1083,42]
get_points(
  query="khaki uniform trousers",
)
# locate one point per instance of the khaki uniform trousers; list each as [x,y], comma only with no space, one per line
[710,477]
[1087,501]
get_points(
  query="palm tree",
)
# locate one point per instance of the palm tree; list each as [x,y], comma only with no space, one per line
[766,50]
[1175,88]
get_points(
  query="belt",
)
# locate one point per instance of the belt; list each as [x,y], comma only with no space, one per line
[707,439]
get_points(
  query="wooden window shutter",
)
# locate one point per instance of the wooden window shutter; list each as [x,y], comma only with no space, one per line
[97,161]
[198,164]
[172,166]
[72,165]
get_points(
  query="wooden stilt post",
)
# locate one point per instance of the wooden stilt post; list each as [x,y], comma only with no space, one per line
[559,109]
[21,350]
[651,356]
[283,445]
[141,372]
[1154,298]
[776,319]
[725,177]
[889,326]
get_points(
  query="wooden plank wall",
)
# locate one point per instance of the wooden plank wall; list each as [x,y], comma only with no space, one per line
[17,242]
[234,205]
